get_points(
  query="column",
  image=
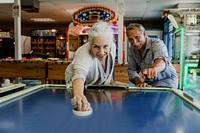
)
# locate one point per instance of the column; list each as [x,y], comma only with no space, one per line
[17,28]
[120,14]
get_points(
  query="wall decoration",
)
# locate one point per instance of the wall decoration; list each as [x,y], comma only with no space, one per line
[87,16]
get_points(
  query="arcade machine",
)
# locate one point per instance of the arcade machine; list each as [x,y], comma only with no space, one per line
[6,45]
[61,46]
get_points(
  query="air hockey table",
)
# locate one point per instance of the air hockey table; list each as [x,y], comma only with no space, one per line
[48,109]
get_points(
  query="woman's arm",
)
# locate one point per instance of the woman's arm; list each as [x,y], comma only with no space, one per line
[79,100]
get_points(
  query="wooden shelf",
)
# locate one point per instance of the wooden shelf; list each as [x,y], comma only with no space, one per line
[43,44]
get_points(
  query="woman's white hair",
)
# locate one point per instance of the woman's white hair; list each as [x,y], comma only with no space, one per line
[100,28]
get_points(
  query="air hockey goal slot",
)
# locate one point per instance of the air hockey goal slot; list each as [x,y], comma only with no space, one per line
[106,87]
[188,96]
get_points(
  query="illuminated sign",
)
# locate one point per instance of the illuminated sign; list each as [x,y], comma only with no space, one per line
[89,15]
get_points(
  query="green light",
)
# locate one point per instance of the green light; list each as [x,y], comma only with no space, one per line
[192,65]
[181,29]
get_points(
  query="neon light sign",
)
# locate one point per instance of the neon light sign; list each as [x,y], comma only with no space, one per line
[89,15]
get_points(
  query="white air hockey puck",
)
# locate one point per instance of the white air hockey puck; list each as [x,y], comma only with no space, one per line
[82,113]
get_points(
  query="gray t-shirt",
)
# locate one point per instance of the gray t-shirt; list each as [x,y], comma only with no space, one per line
[155,48]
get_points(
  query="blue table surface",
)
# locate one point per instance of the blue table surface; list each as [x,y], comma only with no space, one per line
[50,111]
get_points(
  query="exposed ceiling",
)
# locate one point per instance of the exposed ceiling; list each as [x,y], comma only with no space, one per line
[142,9]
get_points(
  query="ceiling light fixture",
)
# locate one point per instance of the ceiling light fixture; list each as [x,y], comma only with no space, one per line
[132,18]
[6,1]
[69,11]
[42,19]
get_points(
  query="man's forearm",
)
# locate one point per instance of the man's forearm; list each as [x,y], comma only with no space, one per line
[159,64]
[136,81]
